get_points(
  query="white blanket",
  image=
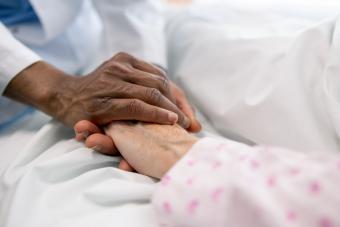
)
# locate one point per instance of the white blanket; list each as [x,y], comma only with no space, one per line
[267,78]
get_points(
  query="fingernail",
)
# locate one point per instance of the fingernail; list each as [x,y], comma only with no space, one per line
[172,117]
[96,148]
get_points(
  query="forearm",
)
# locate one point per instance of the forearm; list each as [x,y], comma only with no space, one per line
[37,85]
[231,184]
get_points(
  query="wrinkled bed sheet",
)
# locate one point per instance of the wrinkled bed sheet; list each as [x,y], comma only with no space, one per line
[256,77]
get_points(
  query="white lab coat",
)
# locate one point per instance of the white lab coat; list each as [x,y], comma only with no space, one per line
[76,35]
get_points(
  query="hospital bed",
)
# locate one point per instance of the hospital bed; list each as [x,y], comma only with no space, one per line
[258,76]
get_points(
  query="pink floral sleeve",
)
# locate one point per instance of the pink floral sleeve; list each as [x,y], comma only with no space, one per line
[221,183]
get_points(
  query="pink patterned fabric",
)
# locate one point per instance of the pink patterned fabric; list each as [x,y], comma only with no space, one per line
[222,183]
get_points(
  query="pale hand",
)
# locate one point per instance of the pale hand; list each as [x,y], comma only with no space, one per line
[151,149]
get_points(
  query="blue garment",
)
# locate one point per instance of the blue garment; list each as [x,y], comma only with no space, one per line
[16,11]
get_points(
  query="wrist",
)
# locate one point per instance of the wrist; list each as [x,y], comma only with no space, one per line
[36,85]
[178,150]
[181,148]
[49,85]
[59,91]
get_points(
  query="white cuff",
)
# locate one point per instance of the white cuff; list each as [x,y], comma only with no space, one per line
[14,56]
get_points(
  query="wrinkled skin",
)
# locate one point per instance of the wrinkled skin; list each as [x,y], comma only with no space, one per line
[94,136]
[155,148]
[123,88]
[95,139]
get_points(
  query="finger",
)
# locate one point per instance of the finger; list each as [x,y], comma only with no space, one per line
[195,126]
[140,77]
[101,143]
[154,97]
[80,137]
[133,109]
[151,96]
[184,105]
[124,165]
[152,81]
[84,128]
[138,63]
[147,67]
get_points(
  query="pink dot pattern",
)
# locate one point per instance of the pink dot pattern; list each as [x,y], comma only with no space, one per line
[325,222]
[192,206]
[217,193]
[254,164]
[211,183]
[167,207]
[291,216]
[271,181]
[165,180]
[315,187]
[191,162]
[216,164]
[190,181]
[295,171]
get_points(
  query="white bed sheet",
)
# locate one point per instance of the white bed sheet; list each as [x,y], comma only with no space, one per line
[49,179]
[52,180]
[219,55]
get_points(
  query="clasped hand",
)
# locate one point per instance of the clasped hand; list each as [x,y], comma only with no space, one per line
[122,88]
[129,89]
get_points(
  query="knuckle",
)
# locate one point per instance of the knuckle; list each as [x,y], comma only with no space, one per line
[102,80]
[165,83]
[153,95]
[162,73]
[117,67]
[134,107]
[105,63]
[114,65]
[122,56]
[92,107]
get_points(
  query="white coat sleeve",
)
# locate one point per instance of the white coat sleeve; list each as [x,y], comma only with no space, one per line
[14,57]
[135,27]
[223,183]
